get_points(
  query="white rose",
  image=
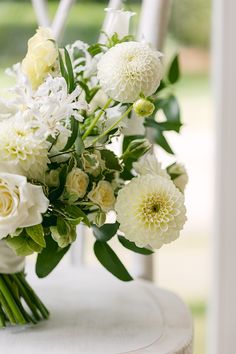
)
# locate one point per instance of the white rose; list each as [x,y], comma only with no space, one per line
[40,58]
[77,182]
[21,203]
[103,195]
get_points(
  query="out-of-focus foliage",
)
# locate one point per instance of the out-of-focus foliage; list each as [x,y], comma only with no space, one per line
[190,22]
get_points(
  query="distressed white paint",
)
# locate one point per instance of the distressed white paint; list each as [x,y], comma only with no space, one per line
[41,11]
[223,297]
[154,20]
[152,29]
[61,17]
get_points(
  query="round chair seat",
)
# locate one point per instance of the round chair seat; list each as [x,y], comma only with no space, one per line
[94,313]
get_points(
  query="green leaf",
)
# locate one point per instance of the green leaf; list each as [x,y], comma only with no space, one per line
[79,144]
[174,72]
[127,140]
[36,233]
[35,247]
[75,212]
[95,49]
[171,109]
[64,233]
[105,232]
[57,192]
[132,246]
[74,133]
[19,245]
[48,259]
[71,79]
[61,226]
[111,160]
[62,67]
[158,136]
[110,261]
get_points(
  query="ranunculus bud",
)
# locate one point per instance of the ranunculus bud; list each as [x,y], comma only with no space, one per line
[40,58]
[100,218]
[103,195]
[77,182]
[137,148]
[143,107]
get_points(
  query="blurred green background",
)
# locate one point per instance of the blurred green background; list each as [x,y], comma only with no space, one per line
[189,34]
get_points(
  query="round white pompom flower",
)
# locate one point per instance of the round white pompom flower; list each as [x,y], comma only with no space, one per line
[151,211]
[129,69]
[20,146]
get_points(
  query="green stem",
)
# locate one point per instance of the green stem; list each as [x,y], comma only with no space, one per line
[96,119]
[2,317]
[26,297]
[44,311]
[113,125]
[11,302]
[13,287]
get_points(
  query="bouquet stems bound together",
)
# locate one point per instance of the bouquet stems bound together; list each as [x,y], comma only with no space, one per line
[19,305]
[58,167]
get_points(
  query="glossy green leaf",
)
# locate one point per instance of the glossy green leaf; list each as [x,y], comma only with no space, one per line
[70,72]
[132,246]
[105,232]
[75,212]
[50,256]
[74,133]
[174,72]
[110,261]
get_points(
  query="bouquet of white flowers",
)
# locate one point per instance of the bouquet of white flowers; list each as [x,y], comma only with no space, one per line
[57,168]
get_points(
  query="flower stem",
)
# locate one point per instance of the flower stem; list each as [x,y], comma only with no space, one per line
[113,125]
[17,315]
[96,119]
[19,304]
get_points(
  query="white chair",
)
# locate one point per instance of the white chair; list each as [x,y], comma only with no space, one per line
[91,311]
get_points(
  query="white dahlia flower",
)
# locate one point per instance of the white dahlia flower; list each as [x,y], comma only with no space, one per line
[148,164]
[129,69]
[20,146]
[151,211]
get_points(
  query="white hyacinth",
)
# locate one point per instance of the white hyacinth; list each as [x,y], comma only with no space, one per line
[129,69]
[21,147]
[151,211]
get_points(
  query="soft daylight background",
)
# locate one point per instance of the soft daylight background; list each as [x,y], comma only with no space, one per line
[184,265]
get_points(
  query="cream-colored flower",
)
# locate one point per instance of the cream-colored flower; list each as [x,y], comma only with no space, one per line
[20,146]
[117,21]
[179,176]
[40,58]
[129,69]
[77,182]
[92,162]
[103,195]
[151,211]
[21,203]
[52,178]
[148,164]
